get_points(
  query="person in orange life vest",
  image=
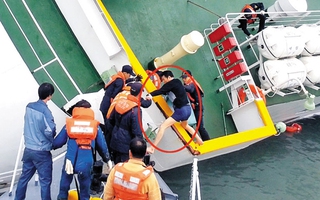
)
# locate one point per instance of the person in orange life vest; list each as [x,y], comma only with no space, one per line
[145,185]
[191,90]
[251,18]
[124,123]
[113,87]
[182,109]
[145,103]
[83,134]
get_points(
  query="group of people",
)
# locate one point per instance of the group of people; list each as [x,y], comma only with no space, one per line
[120,140]
[82,134]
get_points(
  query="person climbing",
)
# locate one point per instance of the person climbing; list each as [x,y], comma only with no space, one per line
[182,109]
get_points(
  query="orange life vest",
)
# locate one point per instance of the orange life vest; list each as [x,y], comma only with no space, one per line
[114,77]
[192,100]
[124,105]
[82,127]
[122,95]
[127,184]
[254,16]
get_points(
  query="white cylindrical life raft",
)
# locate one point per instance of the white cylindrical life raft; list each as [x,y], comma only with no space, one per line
[287,8]
[311,64]
[311,35]
[280,42]
[282,73]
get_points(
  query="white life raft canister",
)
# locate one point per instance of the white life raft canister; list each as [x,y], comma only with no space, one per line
[282,73]
[280,42]
[311,36]
[282,8]
[311,64]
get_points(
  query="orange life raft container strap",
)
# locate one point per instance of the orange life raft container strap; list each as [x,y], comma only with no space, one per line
[254,89]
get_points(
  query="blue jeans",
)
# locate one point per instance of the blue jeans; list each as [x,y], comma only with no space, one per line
[84,178]
[33,161]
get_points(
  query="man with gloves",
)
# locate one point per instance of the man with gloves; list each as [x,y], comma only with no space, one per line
[83,134]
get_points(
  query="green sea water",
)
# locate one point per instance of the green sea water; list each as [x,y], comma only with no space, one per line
[286,167]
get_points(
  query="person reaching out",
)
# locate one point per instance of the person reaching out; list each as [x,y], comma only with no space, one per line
[182,109]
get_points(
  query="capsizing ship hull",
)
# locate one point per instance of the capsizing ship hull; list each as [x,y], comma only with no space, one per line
[105,55]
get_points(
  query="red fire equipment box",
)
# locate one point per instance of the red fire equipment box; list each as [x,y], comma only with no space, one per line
[219,33]
[230,59]
[224,46]
[234,71]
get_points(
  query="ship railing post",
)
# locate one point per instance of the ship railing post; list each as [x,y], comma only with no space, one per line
[16,166]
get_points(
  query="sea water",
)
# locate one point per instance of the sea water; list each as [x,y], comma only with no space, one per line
[285,167]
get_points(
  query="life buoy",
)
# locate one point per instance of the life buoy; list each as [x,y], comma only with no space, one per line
[155,79]
[242,94]
[294,128]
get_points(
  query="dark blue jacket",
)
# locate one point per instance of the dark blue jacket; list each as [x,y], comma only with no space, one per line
[124,128]
[111,91]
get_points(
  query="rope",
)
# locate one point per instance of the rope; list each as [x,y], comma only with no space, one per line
[204,8]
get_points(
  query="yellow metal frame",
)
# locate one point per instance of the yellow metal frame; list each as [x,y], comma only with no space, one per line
[210,145]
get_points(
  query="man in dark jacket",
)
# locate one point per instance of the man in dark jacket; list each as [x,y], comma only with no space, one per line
[250,18]
[145,103]
[113,87]
[191,89]
[125,124]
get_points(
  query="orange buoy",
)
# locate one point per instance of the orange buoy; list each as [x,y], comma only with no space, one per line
[254,89]
[294,128]
[154,78]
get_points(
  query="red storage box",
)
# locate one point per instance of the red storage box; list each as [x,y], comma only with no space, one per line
[230,59]
[219,33]
[224,46]
[234,71]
